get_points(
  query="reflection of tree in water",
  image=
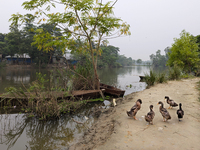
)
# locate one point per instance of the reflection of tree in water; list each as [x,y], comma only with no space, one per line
[12,127]
[139,69]
[110,75]
[49,135]
[44,135]
[15,77]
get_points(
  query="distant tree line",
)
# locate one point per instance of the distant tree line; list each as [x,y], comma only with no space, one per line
[184,54]
[22,42]
[109,58]
[159,60]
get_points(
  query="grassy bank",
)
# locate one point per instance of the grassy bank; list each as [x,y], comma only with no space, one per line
[174,73]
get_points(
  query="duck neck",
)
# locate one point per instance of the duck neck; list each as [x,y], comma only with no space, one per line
[180,107]
[161,106]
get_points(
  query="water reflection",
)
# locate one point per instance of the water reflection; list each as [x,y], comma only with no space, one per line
[19,132]
[126,78]
[17,77]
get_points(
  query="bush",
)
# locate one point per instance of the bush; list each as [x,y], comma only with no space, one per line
[174,73]
[150,78]
[83,77]
[161,77]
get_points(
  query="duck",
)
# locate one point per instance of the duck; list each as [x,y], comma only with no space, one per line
[180,112]
[133,111]
[150,115]
[171,102]
[164,112]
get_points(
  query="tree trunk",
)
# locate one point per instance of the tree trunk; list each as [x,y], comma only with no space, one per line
[96,78]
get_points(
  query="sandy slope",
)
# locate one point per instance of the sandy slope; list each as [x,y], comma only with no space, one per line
[115,130]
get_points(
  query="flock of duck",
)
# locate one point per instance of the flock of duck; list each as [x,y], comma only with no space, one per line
[150,115]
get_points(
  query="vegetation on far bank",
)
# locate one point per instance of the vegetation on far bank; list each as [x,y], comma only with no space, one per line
[181,60]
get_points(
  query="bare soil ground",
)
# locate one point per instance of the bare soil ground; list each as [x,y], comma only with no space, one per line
[115,130]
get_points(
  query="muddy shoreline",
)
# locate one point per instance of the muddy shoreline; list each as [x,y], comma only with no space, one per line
[115,130]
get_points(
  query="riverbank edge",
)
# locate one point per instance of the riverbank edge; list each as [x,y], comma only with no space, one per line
[105,126]
[101,130]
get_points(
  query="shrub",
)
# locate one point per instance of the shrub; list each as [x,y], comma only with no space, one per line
[150,78]
[174,73]
[161,77]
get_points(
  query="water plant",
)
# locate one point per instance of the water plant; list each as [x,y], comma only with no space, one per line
[150,78]
[161,77]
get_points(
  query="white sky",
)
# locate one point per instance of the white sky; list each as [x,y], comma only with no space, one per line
[154,23]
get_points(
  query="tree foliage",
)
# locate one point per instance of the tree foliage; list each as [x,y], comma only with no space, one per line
[139,61]
[184,52]
[159,60]
[108,57]
[124,61]
[2,44]
[90,21]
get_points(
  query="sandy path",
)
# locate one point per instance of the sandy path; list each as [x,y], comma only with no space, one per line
[136,135]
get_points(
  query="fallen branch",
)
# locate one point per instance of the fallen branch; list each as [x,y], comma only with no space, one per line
[81,123]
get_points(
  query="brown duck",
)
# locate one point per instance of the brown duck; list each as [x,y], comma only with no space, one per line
[133,111]
[164,112]
[150,115]
[171,102]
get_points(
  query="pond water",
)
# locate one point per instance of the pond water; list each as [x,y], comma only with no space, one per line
[18,132]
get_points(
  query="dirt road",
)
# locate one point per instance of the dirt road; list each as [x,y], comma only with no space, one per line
[115,130]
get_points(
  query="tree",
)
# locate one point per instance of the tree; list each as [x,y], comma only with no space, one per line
[184,52]
[90,21]
[109,56]
[139,61]
[159,60]
[14,41]
[124,61]
[2,44]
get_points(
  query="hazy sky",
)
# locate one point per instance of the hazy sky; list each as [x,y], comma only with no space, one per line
[154,23]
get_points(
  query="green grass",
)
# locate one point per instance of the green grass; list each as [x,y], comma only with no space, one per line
[150,78]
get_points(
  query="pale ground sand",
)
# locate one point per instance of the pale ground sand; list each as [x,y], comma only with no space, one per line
[130,134]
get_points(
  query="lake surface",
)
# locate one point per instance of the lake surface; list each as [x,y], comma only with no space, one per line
[18,132]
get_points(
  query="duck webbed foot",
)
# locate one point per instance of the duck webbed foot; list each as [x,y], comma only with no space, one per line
[135,118]
[164,119]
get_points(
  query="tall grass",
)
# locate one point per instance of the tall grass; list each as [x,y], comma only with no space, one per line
[150,78]
[83,77]
[161,77]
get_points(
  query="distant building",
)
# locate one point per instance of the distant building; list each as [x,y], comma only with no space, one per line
[25,59]
[18,59]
